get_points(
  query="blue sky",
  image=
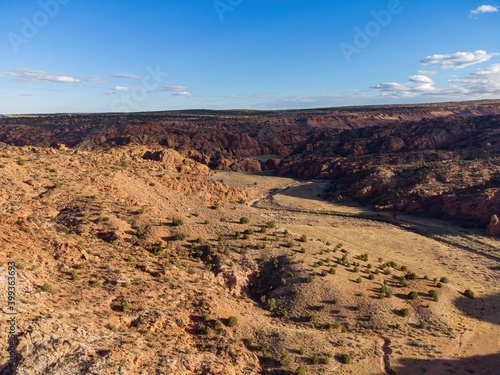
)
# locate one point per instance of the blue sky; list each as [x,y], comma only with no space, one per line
[119,55]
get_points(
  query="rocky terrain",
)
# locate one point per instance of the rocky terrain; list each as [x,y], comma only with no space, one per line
[438,160]
[138,246]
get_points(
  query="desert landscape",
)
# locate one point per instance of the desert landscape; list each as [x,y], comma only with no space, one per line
[357,240]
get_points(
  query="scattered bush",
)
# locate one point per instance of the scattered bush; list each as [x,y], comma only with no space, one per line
[271,224]
[345,358]
[404,312]
[232,321]
[244,220]
[48,288]
[177,222]
[285,360]
[180,236]
[444,280]
[301,370]
[303,238]
[469,293]
[412,295]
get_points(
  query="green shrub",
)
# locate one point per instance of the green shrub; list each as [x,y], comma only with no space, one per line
[232,321]
[48,288]
[126,306]
[301,370]
[303,238]
[315,359]
[177,222]
[469,293]
[359,280]
[345,358]
[285,360]
[244,220]
[271,224]
[432,293]
[444,280]
[142,231]
[412,295]
[180,236]
[439,285]
[371,276]
[404,312]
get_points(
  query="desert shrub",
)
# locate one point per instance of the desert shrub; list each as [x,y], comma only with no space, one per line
[303,238]
[203,329]
[301,370]
[432,293]
[371,276]
[332,271]
[345,358]
[271,224]
[302,250]
[206,222]
[271,304]
[242,201]
[411,276]
[444,280]
[355,269]
[359,280]
[48,288]
[315,359]
[309,279]
[249,231]
[74,276]
[142,231]
[263,230]
[244,220]
[177,222]
[285,360]
[439,285]
[232,321]
[324,273]
[180,236]
[422,324]
[311,318]
[126,306]
[404,312]
[469,293]
[412,295]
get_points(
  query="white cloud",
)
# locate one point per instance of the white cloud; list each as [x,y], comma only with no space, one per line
[28,75]
[126,76]
[481,84]
[458,60]
[124,89]
[427,72]
[39,76]
[485,9]
[416,85]
[481,81]
[176,89]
